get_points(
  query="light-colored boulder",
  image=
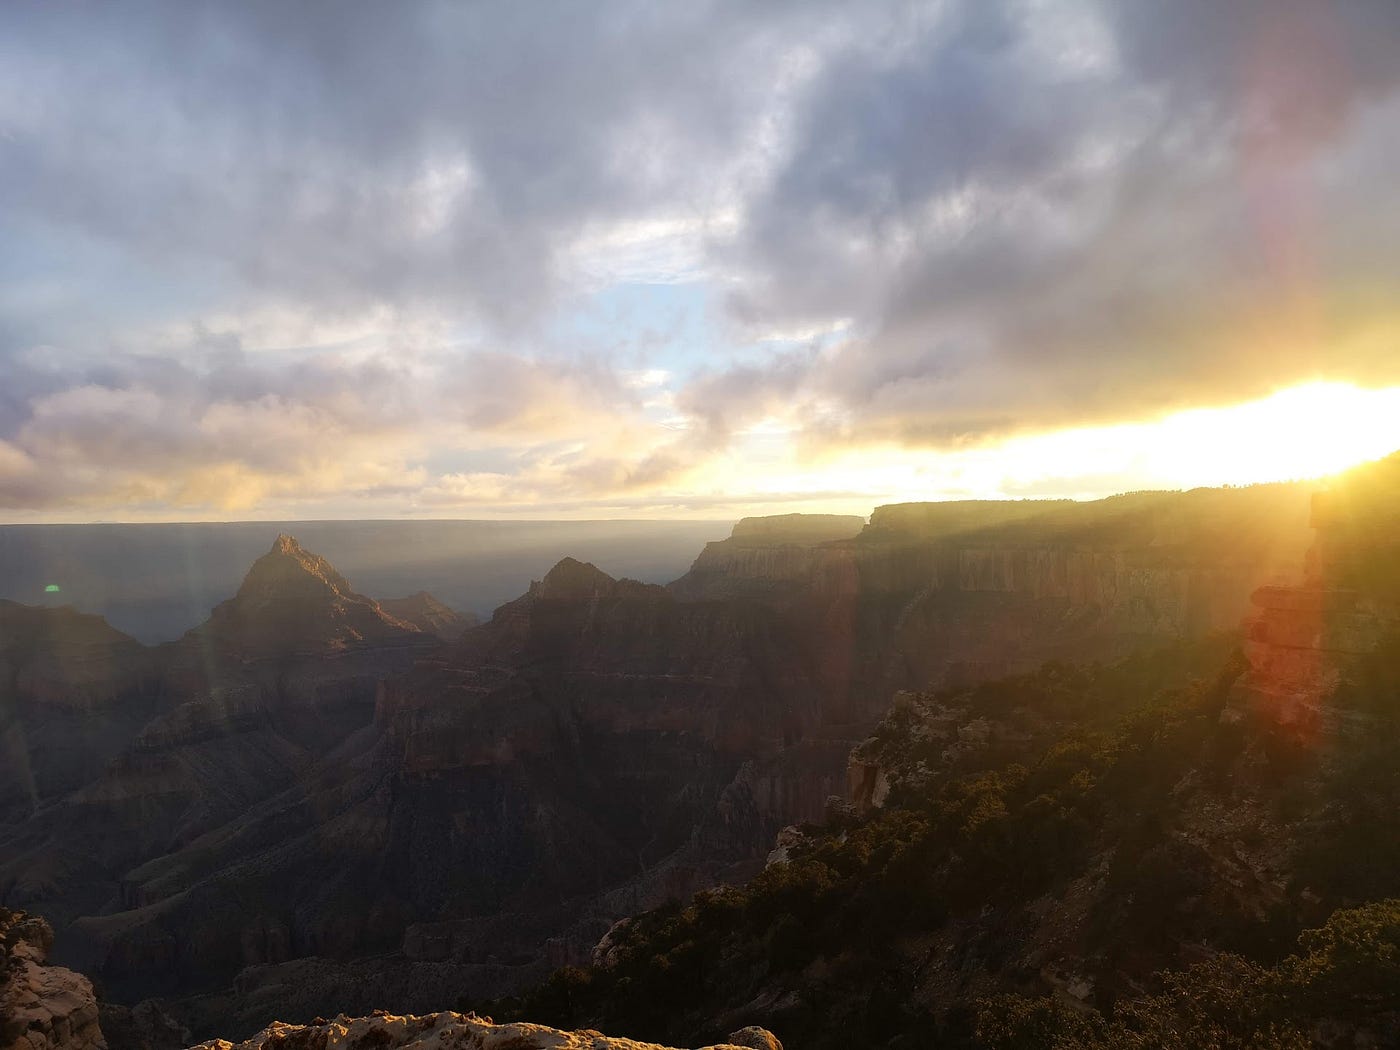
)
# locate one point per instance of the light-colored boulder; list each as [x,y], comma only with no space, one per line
[42,1007]
[441,1031]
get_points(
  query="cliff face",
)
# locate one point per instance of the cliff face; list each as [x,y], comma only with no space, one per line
[597,748]
[941,594]
[605,745]
[588,752]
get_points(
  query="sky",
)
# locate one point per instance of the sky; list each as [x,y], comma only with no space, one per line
[621,259]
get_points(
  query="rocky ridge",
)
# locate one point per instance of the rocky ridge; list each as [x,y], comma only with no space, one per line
[426,613]
[385,1031]
[951,593]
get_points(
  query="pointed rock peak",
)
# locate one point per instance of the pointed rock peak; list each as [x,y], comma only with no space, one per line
[572,578]
[289,566]
[286,544]
[293,600]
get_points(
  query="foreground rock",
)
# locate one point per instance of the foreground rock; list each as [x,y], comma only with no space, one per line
[384,1031]
[41,1007]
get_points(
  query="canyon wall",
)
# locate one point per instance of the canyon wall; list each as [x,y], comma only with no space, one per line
[329,780]
[946,593]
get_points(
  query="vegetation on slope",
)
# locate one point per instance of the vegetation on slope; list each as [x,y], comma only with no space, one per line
[1343,981]
[1104,829]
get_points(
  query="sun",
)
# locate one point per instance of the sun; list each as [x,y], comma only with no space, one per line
[1305,431]
[1302,432]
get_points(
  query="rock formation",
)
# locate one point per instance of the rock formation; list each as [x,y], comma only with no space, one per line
[948,593]
[385,1031]
[245,707]
[328,782]
[41,1007]
[291,603]
[426,613]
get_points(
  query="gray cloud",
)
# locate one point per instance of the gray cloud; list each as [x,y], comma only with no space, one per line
[408,152]
[280,244]
[1033,227]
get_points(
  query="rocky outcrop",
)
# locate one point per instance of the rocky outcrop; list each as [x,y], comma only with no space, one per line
[145,1026]
[385,1031]
[41,1007]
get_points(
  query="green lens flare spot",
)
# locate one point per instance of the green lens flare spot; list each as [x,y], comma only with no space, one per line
[51,589]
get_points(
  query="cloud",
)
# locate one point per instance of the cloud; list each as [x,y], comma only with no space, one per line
[222,428]
[1031,232]
[265,252]
[423,152]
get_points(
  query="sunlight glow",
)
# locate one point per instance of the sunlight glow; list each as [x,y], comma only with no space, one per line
[1301,432]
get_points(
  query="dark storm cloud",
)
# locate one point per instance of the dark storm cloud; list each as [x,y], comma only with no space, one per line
[1014,215]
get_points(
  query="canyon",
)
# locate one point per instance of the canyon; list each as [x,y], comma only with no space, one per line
[1193,845]
[317,803]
